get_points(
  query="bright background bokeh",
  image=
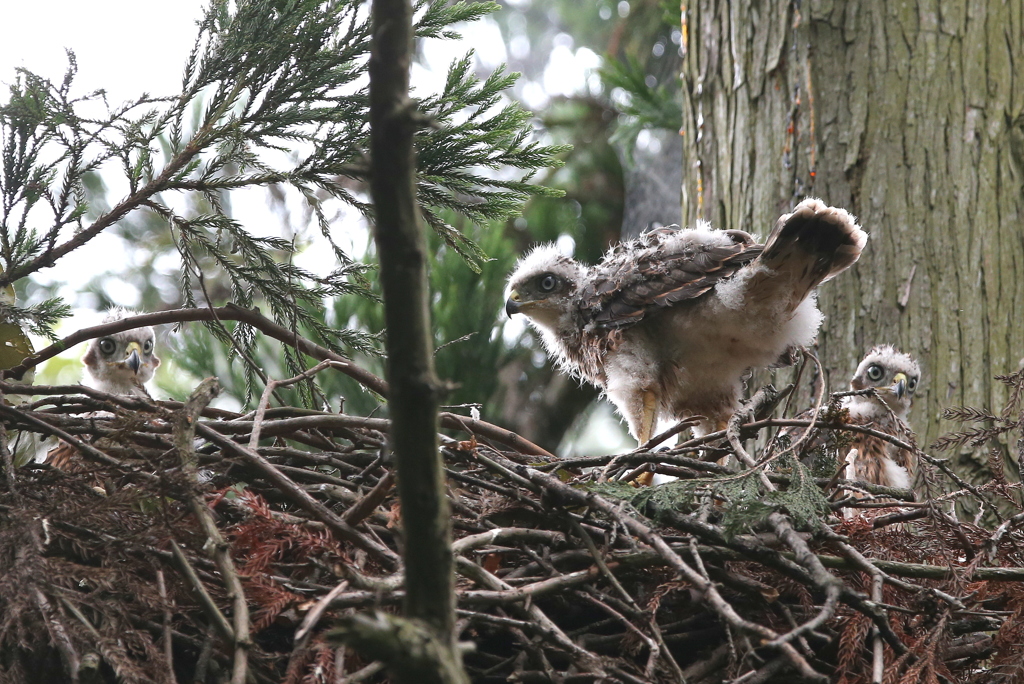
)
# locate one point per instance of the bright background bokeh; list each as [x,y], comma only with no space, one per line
[131,48]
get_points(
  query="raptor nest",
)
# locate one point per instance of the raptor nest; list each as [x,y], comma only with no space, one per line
[172,547]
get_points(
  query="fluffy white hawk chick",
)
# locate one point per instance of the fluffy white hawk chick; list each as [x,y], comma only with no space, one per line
[667,324]
[124,362]
[121,363]
[894,377]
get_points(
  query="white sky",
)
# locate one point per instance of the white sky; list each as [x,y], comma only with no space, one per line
[125,46]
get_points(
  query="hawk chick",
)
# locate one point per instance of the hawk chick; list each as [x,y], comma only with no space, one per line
[894,376]
[124,362]
[667,324]
[121,363]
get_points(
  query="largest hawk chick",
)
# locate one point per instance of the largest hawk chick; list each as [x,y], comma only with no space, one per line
[668,324]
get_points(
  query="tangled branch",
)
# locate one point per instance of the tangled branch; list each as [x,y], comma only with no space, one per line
[561,577]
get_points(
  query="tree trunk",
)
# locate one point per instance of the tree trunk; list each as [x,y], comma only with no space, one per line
[910,116]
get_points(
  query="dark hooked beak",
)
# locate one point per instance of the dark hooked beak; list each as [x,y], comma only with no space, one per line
[134,361]
[513,304]
[899,387]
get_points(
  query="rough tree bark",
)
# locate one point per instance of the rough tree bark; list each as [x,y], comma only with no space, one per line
[909,114]
[414,388]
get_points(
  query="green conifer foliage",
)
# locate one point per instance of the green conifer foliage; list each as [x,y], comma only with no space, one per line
[273,93]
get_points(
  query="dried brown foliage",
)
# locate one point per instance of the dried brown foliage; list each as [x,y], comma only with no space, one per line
[559,580]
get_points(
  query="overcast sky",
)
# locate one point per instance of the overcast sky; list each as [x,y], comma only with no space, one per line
[124,46]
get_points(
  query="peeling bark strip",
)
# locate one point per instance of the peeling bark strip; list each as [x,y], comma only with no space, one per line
[917,118]
[413,385]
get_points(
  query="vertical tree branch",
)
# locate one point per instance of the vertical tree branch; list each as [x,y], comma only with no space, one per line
[219,549]
[168,627]
[413,385]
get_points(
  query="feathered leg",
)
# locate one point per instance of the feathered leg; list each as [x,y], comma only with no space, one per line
[645,430]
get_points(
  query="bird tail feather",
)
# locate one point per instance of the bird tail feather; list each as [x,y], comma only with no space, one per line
[814,243]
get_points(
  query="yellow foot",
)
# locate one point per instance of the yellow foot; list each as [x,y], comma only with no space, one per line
[644,479]
[648,417]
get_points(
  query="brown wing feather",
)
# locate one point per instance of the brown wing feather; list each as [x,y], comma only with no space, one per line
[872,452]
[661,280]
[65,457]
[871,457]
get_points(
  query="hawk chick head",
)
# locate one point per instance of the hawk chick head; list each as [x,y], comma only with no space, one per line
[894,376]
[123,362]
[544,289]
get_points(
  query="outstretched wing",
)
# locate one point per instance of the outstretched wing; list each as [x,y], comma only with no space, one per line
[649,275]
[812,244]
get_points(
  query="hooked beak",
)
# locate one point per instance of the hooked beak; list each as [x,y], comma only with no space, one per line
[899,386]
[513,304]
[134,361]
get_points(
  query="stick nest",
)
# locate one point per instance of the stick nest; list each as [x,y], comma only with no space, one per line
[125,564]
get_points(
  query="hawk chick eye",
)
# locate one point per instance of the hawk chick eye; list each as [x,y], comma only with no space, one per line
[548,283]
[875,372]
[147,346]
[912,384]
[107,346]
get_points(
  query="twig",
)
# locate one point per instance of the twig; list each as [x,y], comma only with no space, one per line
[167,638]
[828,583]
[905,290]
[217,619]
[662,649]
[654,649]
[301,498]
[6,458]
[59,634]
[80,617]
[365,506]
[504,535]
[315,613]
[219,549]
[586,659]
[872,568]
[671,432]
[362,674]
[230,312]
[271,329]
[707,589]
[877,645]
[271,386]
[50,255]
[412,651]
[778,561]
[992,545]
[453,421]
[88,450]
